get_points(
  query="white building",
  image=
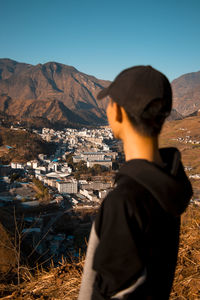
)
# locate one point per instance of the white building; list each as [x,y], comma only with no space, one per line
[53,166]
[13,165]
[29,163]
[52,182]
[104,163]
[102,194]
[17,165]
[70,187]
[94,185]
[93,156]
[40,169]
[89,195]
[77,158]
[35,164]
[42,156]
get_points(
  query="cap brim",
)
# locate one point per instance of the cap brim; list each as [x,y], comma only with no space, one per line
[102,94]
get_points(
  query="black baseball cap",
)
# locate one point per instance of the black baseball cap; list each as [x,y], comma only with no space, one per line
[136,87]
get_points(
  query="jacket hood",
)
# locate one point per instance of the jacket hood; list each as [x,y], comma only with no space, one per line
[168,184]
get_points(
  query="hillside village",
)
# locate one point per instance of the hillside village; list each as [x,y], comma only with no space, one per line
[91,147]
[69,182]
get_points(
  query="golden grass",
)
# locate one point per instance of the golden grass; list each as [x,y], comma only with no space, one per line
[187,277]
[63,282]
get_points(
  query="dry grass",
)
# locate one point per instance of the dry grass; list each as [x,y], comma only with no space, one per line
[187,278]
[63,282]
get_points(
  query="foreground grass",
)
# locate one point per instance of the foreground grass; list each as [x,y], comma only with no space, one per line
[58,283]
[187,278]
[63,282]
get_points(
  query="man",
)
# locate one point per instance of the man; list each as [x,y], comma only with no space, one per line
[132,251]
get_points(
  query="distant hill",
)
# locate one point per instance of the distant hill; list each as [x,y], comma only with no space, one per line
[53,91]
[174,115]
[20,147]
[186,93]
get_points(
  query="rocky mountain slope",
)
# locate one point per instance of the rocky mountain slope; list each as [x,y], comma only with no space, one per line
[175,115]
[186,92]
[60,93]
[52,90]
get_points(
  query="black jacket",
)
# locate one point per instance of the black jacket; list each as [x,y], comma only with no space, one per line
[136,232]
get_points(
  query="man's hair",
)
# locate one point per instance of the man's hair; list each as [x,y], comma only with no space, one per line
[150,122]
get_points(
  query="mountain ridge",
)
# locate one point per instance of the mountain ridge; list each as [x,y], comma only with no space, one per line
[64,86]
[61,93]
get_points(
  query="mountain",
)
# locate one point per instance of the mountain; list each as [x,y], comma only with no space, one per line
[57,93]
[186,93]
[53,91]
[174,115]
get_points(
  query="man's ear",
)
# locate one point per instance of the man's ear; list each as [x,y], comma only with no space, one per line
[118,112]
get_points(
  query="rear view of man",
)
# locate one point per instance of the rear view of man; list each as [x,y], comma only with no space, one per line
[133,246]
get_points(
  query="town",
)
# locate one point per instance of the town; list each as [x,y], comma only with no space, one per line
[54,198]
[57,196]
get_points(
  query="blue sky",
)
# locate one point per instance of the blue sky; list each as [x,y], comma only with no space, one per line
[101,38]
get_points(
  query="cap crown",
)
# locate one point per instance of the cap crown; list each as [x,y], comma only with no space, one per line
[135,88]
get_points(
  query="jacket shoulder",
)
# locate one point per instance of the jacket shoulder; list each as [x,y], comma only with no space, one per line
[124,204]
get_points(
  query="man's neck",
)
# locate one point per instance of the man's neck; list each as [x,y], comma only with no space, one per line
[141,147]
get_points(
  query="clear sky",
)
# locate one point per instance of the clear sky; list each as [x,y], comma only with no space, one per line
[100,37]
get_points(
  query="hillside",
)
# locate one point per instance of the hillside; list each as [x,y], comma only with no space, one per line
[186,93]
[54,91]
[174,115]
[185,135]
[21,145]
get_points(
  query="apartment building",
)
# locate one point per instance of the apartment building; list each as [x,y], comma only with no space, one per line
[69,187]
